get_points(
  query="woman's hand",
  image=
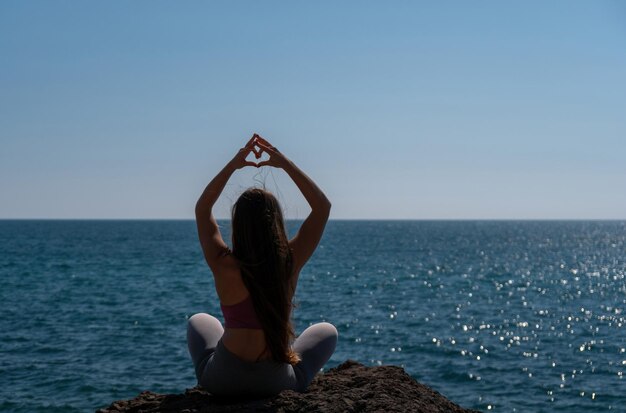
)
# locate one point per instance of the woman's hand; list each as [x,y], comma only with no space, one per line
[277,159]
[239,161]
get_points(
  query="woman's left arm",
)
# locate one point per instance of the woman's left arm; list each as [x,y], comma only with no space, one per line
[213,246]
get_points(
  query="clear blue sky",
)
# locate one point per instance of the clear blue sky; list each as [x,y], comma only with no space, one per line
[421,110]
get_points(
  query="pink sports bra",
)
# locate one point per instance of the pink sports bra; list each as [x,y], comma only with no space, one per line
[241,315]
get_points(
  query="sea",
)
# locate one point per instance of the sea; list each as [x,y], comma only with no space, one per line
[511,316]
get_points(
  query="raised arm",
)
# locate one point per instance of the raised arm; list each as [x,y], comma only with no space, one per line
[304,243]
[213,246]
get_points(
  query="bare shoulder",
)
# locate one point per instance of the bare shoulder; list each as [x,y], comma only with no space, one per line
[228,282]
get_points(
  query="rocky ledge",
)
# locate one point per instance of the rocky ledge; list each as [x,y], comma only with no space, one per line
[350,387]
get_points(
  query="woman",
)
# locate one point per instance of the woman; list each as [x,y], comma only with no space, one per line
[253,354]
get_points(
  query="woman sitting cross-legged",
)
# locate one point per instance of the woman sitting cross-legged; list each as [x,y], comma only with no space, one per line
[255,353]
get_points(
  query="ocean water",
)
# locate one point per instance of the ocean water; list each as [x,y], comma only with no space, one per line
[496,315]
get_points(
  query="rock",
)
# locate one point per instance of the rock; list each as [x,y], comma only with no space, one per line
[349,387]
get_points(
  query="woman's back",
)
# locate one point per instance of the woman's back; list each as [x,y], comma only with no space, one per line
[247,343]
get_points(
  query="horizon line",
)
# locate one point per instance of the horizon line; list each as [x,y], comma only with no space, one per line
[331,219]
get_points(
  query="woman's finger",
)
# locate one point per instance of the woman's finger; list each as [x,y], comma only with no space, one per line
[251,141]
[264,163]
[268,144]
[266,148]
[263,141]
[254,150]
[243,152]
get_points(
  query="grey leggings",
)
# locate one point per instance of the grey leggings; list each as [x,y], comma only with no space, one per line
[223,374]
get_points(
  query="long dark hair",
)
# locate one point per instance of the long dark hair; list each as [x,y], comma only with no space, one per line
[261,247]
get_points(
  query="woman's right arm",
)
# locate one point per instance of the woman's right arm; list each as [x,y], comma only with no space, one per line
[306,240]
[213,246]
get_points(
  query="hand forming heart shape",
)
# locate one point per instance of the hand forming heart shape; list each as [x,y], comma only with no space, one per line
[264,153]
[259,155]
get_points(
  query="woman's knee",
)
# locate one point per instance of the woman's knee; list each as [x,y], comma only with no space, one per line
[330,328]
[201,323]
[332,333]
[316,345]
[327,330]
[196,317]
[201,319]
[195,320]
[320,335]
[203,333]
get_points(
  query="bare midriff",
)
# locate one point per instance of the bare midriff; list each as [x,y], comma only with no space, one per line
[246,343]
